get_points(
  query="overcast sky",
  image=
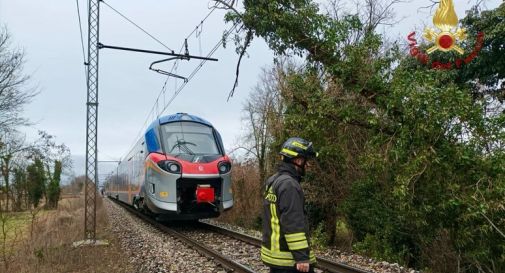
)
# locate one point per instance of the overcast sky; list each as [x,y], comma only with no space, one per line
[48,32]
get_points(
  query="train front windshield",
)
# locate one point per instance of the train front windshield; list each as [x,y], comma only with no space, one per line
[189,140]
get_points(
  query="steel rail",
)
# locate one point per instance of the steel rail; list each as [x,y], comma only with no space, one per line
[322,263]
[204,250]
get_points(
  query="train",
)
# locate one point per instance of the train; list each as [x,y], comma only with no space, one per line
[177,170]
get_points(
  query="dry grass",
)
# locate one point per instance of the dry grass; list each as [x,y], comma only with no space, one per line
[247,206]
[48,248]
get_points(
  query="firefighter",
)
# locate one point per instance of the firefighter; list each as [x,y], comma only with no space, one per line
[285,245]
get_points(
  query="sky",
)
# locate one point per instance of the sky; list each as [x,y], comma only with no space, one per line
[48,31]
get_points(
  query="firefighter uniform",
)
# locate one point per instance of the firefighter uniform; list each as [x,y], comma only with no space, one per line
[285,228]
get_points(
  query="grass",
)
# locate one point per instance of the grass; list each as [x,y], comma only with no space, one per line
[18,221]
[48,247]
[17,224]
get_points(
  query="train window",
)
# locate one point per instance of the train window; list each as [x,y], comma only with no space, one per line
[189,138]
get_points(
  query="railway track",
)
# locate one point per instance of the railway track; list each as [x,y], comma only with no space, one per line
[224,261]
[323,264]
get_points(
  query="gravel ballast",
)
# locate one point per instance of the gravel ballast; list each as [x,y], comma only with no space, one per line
[237,250]
[150,250]
[333,254]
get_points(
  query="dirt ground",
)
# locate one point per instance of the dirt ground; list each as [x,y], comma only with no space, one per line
[48,246]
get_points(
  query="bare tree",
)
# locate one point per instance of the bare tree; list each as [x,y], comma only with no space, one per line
[14,94]
[16,152]
[49,151]
[263,117]
[13,146]
[76,185]
[371,12]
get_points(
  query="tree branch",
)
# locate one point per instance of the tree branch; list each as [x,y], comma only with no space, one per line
[228,6]
[247,43]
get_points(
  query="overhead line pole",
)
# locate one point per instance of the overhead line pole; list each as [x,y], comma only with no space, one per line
[92,121]
[91,185]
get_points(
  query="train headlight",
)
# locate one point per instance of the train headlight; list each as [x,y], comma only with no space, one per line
[224,167]
[170,166]
[174,168]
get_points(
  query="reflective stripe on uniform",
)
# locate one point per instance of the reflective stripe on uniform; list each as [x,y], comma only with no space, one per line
[293,237]
[281,258]
[274,255]
[285,255]
[312,257]
[298,245]
[296,241]
[276,229]
[275,261]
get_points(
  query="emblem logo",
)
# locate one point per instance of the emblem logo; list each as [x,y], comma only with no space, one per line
[446,38]
[200,168]
[448,33]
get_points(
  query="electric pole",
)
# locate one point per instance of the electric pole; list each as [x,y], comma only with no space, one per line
[94,45]
[92,122]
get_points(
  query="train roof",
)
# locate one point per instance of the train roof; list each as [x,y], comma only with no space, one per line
[183,117]
[180,117]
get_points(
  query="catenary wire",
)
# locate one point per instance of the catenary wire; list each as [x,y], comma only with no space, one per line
[136,25]
[82,39]
[181,88]
[214,49]
[163,89]
[182,48]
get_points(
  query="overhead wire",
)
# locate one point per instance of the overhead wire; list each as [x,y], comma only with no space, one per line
[214,49]
[136,25]
[82,39]
[154,110]
[174,67]
[182,46]
[193,73]
[148,34]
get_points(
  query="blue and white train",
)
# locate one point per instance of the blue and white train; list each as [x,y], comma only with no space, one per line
[177,170]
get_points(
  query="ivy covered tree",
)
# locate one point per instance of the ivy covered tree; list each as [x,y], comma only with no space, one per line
[20,189]
[53,187]
[410,158]
[487,72]
[36,180]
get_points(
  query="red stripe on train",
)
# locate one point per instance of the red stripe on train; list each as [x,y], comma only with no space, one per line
[156,157]
[190,167]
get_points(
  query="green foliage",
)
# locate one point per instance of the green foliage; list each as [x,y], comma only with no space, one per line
[319,238]
[411,158]
[20,187]
[53,187]
[489,67]
[36,179]
[39,254]
[372,246]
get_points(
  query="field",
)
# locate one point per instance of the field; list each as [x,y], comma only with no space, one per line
[41,241]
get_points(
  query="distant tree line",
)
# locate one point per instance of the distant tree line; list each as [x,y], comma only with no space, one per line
[412,159]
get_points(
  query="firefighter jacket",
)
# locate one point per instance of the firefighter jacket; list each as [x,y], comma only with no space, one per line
[285,228]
